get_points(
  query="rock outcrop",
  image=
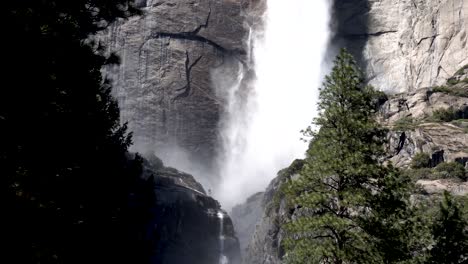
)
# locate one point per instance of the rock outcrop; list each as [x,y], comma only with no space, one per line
[264,245]
[189,227]
[245,217]
[415,127]
[404,45]
[164,83]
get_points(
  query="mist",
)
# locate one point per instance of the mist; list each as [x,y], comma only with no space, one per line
[260,132]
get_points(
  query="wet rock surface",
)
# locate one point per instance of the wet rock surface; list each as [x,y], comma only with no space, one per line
[165,84]
[245,217]
[187,228]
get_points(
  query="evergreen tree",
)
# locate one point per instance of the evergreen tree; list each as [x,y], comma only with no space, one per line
[345,190]
[64,164]
[450,231]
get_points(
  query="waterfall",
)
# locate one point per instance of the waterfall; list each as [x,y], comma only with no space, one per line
[222,257]
[261,133]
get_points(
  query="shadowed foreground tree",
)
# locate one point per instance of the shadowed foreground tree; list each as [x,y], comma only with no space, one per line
[450,231]
[350,205]
[73,193]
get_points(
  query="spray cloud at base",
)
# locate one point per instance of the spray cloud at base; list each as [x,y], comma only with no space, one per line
[262,124]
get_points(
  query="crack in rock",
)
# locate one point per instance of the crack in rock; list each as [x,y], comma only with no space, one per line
[194,36]
[431,37]
[188,76]
[373,34]
[197,30]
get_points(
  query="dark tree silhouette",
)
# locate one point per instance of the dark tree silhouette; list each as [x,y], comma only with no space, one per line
[70,184]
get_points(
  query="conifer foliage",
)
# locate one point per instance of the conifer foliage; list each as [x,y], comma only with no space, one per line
[345,190]
[64,165]
[450,234]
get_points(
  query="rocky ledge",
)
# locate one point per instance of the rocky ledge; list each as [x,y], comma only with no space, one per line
[189,227]
[432,120]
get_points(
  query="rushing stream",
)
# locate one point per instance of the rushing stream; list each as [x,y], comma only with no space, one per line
[262,130]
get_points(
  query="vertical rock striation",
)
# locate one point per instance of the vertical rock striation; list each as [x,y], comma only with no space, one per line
[404,45]
[164,82]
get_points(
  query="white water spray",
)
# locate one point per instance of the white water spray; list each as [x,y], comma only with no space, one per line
[262,132]
[222,258]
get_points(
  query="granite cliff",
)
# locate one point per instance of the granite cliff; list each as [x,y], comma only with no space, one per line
[404,45]
[188,226]
[166,82]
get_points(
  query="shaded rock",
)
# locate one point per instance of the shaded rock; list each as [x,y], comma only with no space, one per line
[444,142]
[265,244]
[245,217]
[404,45]
[164,84]
[186,226]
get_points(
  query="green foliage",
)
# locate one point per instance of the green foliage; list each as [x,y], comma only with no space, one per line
[452,81]
[455,91]
[420,174]
[404,124]
[380,98]
[445,170]
[349,205]
[421,160]
[445,115]
[66,174]
[452,170]
[462,70]
[450,230]
[456,79]
[283,177]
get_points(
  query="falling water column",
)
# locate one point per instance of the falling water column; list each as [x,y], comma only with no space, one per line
[261,134]
[222,258]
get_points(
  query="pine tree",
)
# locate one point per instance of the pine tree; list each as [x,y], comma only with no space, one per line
[344,185]
[64,164]
[450,231]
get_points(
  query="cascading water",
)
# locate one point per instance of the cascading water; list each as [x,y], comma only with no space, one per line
[261,134]
[222,257]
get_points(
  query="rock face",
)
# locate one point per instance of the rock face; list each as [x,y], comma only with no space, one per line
[245,217]
[165,83]
[439,186]
[404,45]
[264,246]
[189,227]
[414,128]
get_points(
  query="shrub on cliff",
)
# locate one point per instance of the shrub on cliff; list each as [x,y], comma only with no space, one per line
[445,115]
[421,160]
[454,170]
